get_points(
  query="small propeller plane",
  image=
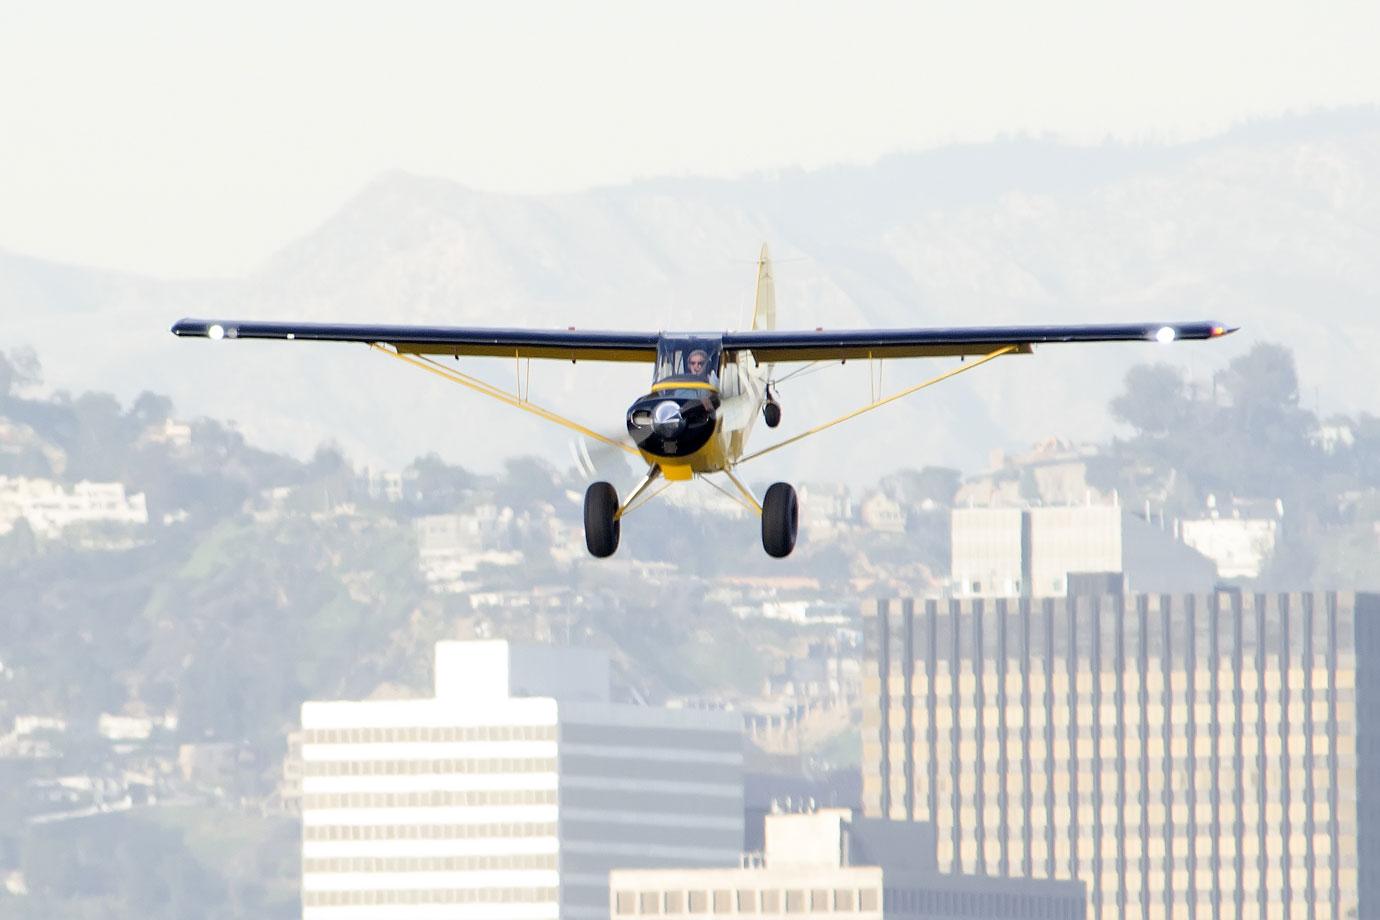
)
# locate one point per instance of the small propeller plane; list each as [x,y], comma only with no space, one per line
[707,390]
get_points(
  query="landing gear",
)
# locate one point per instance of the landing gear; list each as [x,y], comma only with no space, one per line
[771,410]
[771,413]
[601,524]
[780,518]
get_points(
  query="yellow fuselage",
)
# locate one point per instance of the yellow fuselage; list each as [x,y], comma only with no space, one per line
[742,390]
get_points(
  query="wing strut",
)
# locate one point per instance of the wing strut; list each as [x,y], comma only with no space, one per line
[878,403]
[488,389]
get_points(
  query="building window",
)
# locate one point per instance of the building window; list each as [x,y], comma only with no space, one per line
[675,902]
[819,900]
[771,902]
[795,902]
[723,902]
[867,899]
[649,902]
[844,900]
[747,902]
[699,902]
[623,902]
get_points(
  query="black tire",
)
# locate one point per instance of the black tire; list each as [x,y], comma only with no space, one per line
[772,413]
[601,527]
[780,520]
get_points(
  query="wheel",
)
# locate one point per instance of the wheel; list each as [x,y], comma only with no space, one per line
[780,518]
[772,413]
[601,527]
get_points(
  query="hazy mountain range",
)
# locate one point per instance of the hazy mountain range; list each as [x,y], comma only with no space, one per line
[1274,226]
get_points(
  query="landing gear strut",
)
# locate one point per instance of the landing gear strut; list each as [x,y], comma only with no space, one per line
[602,526]
[780,519]
[771,410]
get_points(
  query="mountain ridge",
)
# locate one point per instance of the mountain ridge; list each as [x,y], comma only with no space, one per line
[1271,227]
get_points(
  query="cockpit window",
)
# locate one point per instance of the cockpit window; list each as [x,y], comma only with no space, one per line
[689,358]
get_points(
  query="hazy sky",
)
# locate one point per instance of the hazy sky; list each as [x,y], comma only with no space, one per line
[181,139]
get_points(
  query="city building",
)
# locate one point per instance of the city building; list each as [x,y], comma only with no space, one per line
[209,764]
[1239,537]
[1194,755]
[1051,472]
[882,513]
[49,508]
[509,794]
[124,728]
[829,863]
[289,792]
[170,432]
[1006,552]
[452,546]
[826,510]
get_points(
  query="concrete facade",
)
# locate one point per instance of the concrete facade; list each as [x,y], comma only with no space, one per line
[1010,552]
[830,863]
[510,794]
[1194,755]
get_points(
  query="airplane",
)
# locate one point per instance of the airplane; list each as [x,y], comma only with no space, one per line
[707,390]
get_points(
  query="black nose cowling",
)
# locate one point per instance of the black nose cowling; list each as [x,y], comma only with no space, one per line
[673,423]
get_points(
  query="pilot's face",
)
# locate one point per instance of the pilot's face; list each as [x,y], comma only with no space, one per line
[696,363]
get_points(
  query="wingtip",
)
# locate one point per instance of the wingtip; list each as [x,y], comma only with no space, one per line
[195,328]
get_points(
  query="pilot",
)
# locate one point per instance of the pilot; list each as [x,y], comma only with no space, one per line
[697,363]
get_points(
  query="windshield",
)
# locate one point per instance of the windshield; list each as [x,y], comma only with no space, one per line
[687,357]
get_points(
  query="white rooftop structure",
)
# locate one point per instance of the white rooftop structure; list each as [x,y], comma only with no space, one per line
[828,863]
[509,794]
[1240,543]
[1013,551]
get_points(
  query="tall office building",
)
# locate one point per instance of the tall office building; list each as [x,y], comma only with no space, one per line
[1210,756]
[510,794]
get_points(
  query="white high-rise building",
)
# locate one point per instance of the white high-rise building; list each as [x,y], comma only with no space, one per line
[1014,552]
[510,794]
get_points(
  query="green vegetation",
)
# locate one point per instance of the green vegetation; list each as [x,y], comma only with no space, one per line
[159,863]
[1250,437]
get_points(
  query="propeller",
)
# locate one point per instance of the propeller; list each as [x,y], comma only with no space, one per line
[598,461]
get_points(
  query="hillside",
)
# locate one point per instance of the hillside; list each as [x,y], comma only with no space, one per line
[1272,226]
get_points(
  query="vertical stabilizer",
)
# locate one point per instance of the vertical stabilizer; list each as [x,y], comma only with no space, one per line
[764,311]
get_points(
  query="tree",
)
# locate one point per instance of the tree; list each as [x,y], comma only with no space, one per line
[528,480]
[150,409]
[434,486]
[937,484]
[20,368]
[1264,377]
[140,869]
[1155,401]
[19,544]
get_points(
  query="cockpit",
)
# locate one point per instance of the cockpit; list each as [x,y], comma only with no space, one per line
[679,415]
[692,359]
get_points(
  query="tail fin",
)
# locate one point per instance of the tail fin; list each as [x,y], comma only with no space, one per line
[764,312]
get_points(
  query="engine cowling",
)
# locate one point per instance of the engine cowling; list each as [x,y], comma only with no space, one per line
[673,422]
